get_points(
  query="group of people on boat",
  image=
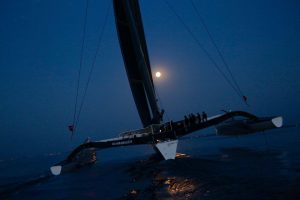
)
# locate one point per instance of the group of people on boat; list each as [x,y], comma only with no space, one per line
[195,119]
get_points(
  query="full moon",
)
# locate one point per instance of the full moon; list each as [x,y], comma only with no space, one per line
[158,74]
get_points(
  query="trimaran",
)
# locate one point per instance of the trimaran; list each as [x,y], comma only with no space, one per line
[163,136]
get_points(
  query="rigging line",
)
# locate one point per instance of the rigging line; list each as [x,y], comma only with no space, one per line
[203,49]
[93,63]
[80,67]
[161,103]
[216,47]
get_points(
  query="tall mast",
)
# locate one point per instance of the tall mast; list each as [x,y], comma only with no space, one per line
[136,59]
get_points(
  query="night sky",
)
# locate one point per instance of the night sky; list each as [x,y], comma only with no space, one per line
[40,45]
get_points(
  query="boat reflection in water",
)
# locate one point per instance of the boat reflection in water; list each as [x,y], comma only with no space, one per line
[181,186]
[182,155]
[169,185]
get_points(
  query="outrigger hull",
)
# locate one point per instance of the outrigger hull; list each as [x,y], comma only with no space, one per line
[246,126]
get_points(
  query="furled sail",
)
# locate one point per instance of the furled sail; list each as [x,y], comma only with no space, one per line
[135,55]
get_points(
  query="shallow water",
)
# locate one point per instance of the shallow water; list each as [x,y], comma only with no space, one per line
[261,166]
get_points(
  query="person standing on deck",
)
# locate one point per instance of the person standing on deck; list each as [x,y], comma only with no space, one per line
[204,116]
[199,118]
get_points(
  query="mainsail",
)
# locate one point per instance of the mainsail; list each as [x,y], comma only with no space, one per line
[136,59]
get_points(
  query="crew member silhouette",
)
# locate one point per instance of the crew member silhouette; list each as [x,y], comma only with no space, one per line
[204,116]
